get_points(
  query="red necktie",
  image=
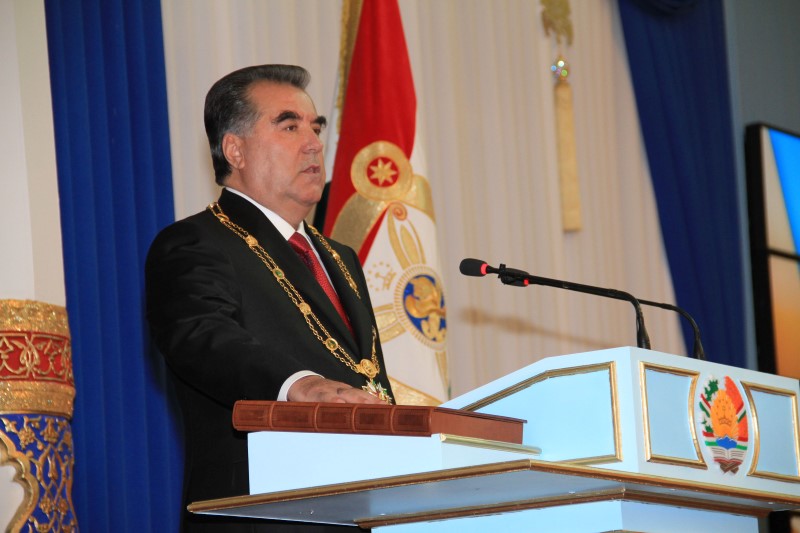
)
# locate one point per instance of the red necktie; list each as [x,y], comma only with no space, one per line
[303,248]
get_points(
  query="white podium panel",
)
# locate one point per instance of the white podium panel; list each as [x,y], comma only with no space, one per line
[664,415]
[634,439]
[350,458]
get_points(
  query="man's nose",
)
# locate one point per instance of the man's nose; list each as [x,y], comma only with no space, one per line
[313,142]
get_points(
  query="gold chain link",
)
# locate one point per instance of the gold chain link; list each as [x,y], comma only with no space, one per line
[311,319]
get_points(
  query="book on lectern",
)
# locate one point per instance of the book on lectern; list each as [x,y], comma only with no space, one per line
[408,420]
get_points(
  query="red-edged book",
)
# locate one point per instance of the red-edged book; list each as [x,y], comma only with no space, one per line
[407,420]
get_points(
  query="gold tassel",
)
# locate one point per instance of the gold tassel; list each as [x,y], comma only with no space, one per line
[555,18]
[567,153]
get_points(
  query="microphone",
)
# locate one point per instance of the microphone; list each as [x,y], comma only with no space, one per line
[520,278]
[697,349]
[475,267]
[510,276]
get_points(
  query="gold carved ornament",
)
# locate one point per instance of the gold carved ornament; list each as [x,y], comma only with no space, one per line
[37,391]
[367,367]
[35,359]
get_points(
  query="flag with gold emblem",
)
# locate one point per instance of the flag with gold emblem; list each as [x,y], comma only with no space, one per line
[380,203]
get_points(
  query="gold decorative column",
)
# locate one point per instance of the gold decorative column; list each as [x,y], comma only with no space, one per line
[37,390]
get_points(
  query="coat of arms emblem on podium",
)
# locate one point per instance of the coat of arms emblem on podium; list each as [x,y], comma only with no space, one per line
[724,423]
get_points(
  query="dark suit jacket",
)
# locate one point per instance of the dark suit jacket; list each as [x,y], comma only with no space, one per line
[229,332]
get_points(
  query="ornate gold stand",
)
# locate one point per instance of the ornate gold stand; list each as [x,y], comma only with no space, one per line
[37,390]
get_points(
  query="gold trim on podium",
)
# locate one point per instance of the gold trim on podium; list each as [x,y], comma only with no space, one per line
[490,444]
[609,367]
[749,388]
[651,457]
[618,486]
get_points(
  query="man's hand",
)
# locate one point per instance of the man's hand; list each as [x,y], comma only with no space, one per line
[319,389]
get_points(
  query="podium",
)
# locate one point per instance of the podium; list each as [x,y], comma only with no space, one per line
[624,439]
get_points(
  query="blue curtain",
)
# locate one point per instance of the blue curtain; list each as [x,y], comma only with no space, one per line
[678,63]
[114,175]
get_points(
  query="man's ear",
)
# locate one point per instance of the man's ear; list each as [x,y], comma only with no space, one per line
[232,149]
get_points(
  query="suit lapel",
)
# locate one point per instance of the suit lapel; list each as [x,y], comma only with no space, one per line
[249,217]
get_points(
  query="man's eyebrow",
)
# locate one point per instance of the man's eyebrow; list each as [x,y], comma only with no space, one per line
[291,115]
[284,116]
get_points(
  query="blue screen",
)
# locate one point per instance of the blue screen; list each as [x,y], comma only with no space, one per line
[786,150]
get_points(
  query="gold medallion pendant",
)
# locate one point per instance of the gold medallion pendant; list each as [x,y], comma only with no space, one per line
[367,368]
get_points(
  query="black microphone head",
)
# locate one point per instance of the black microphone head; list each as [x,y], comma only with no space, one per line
[473,267]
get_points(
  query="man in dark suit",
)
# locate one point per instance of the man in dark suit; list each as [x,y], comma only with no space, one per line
[235,300]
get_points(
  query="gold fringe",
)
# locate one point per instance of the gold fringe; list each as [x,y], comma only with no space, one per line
[351,13]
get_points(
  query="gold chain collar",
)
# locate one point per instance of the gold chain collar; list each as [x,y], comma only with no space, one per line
[369,368]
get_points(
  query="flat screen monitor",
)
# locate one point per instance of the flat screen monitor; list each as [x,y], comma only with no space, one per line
[773,188]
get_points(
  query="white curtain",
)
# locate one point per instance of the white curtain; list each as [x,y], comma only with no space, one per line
[485,98]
